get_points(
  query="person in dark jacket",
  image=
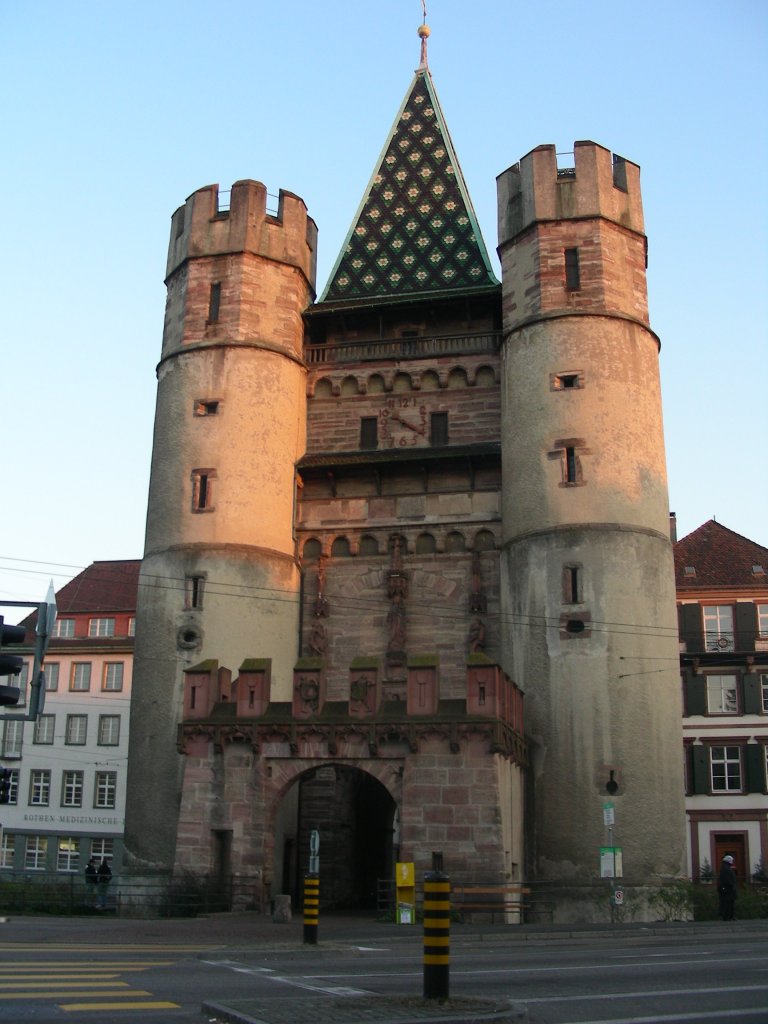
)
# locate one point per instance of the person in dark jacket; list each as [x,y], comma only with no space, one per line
[726,888]
[104,876]
[91,878]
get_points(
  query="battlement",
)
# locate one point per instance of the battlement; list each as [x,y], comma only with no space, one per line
[600,184]
[201,228]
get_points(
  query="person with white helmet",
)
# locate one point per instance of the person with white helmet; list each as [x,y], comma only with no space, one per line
[726,888]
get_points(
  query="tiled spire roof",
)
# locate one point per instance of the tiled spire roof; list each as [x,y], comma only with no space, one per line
[415,232]
[717,557]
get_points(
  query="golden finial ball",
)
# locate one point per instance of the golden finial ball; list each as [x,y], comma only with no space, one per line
[423,31]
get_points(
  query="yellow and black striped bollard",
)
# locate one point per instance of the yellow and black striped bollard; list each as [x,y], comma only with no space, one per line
[437,935]
[311,907]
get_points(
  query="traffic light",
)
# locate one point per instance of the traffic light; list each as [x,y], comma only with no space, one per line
[10,664]
[5,785]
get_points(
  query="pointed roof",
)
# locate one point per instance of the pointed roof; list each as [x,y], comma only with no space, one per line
[714,556]
[415,232]
[102,587]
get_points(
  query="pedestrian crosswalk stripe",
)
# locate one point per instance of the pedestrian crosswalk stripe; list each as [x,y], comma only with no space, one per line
[130,993]
[118,1006]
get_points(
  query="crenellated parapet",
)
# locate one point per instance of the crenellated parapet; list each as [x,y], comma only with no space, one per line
[600,184]
[202,227]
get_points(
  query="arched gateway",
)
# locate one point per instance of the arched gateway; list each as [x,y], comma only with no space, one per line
[356,817]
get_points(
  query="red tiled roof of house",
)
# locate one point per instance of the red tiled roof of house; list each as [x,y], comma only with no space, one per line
[720,558]
[102,587]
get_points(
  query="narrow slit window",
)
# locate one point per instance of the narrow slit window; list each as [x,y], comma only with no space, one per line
[369,437]
[572,273]
[570,465]
[214,302]
[194,587]
[572,584]
[206,407]
[202,490]
[438,428]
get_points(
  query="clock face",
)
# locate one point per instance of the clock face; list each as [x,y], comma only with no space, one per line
[403,422]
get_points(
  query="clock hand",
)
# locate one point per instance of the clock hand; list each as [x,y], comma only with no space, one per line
[416,430]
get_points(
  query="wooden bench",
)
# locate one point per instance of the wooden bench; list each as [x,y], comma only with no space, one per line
[506,900]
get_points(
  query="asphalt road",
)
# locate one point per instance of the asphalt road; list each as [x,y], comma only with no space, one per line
[81,970]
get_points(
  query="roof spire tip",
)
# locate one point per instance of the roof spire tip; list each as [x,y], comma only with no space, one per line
[423,32]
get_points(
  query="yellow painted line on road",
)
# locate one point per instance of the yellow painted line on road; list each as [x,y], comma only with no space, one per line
[61,981]
[118,1006]
[108,947]
[75,978]
[124,965]
[67,994]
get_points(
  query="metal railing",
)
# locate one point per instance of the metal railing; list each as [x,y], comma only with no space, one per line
[404,348]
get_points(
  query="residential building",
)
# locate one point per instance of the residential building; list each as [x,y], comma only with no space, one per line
[67,793]
[394,515]
[722,599]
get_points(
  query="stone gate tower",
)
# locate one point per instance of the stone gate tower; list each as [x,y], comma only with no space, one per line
[384,524]
[229,427]
[587,587]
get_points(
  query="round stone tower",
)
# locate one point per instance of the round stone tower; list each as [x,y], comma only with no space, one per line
[219,580]
[588,601]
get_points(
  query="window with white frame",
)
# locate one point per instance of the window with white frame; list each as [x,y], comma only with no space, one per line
[13,786]
[764,691]
[762,621]
[72,789]
[132,626]
[13,735]
[77,730]
[21,681]
[81,676]
[39,787]
[105,792]
[718,627]
[51,673]
[7,850]
[721,695]
[64,628]
[101,627]
[113,676]
[103,849]
[44,729]
[726,769]
[109,730]
[35,853]
[68,854]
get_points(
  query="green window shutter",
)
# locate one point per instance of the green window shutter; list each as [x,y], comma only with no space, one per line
[753,697]
[695,693]
[755,765]
[745,626]
[691,627]
[700,760]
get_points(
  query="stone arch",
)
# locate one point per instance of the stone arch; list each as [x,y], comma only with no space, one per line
[402,382]
[341,548]
[485,377]
[455,541]
[430,381]
[353,806]
[484,541]
[376,385]
[369,545]
[457,378]
[312,549]
[426,544]
[323,388]
[349,386]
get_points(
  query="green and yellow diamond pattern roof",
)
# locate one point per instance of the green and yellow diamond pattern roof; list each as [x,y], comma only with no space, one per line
[415,232]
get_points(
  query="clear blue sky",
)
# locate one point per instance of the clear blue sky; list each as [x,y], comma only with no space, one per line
[114,112]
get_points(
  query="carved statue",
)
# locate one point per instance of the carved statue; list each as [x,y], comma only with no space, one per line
[476,637]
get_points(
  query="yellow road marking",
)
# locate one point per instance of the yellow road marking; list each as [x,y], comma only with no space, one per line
[68,994]
[128,965]
[119,1006]
[61,981]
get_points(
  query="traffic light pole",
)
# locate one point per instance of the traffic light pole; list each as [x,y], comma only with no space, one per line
[46,618]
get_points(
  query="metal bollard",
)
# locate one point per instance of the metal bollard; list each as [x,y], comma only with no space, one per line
[311,907]
[437,935]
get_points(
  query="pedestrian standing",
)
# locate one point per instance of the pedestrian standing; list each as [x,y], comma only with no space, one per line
[726,888]
[91,879]
[104,876]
